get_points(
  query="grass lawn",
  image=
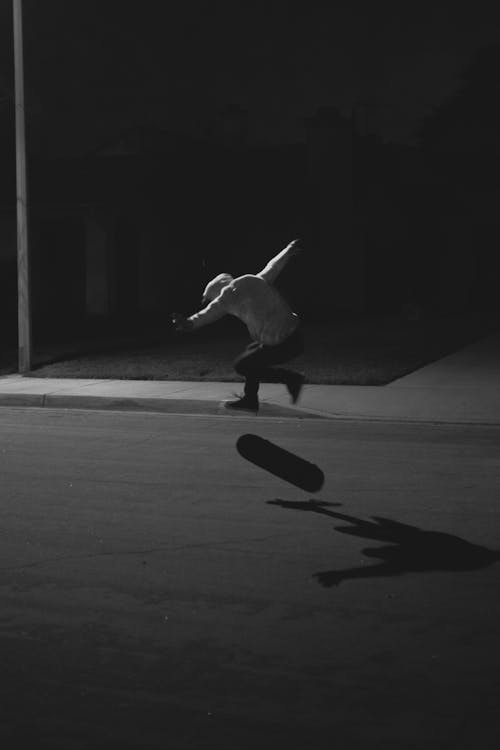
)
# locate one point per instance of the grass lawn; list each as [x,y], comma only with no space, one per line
[371,351]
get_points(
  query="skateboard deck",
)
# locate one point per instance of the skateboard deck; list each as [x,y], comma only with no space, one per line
[280,462]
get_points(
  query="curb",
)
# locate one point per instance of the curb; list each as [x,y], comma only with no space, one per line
[160,405]
[215,407]
[22,399]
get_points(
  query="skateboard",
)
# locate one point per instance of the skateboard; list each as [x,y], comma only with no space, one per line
[280,462]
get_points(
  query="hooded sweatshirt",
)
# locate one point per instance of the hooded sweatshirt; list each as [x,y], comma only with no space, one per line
[254,300]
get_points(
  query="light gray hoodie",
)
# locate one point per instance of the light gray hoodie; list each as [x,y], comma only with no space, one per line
[252,299]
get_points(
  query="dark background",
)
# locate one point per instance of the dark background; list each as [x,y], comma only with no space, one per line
[205,135]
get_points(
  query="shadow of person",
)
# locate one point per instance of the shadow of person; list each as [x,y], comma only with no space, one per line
[411,549]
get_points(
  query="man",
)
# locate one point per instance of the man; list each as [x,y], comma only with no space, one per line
[273,327]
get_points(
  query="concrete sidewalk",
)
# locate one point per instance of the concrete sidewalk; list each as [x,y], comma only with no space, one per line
[463,388]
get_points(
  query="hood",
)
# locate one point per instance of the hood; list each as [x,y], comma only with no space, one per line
[215,287]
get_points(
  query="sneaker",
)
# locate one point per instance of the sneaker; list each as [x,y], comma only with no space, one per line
[243,404]
[294,386]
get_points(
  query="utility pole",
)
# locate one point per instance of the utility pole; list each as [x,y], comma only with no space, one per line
[23,266]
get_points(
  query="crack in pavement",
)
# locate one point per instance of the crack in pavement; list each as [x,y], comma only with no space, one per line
[154,550]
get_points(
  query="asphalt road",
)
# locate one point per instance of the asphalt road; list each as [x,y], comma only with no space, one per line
[160,590]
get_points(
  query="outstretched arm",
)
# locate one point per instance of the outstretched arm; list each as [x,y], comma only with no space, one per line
[215,310]
[276,264]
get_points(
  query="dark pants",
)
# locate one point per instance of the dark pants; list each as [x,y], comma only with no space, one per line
[256,362]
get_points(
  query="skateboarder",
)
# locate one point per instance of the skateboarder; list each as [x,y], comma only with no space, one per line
[273,327]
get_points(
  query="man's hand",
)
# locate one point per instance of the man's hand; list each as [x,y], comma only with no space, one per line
[181,323]
[295,246]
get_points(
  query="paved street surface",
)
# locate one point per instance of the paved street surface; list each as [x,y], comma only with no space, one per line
[158,590]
